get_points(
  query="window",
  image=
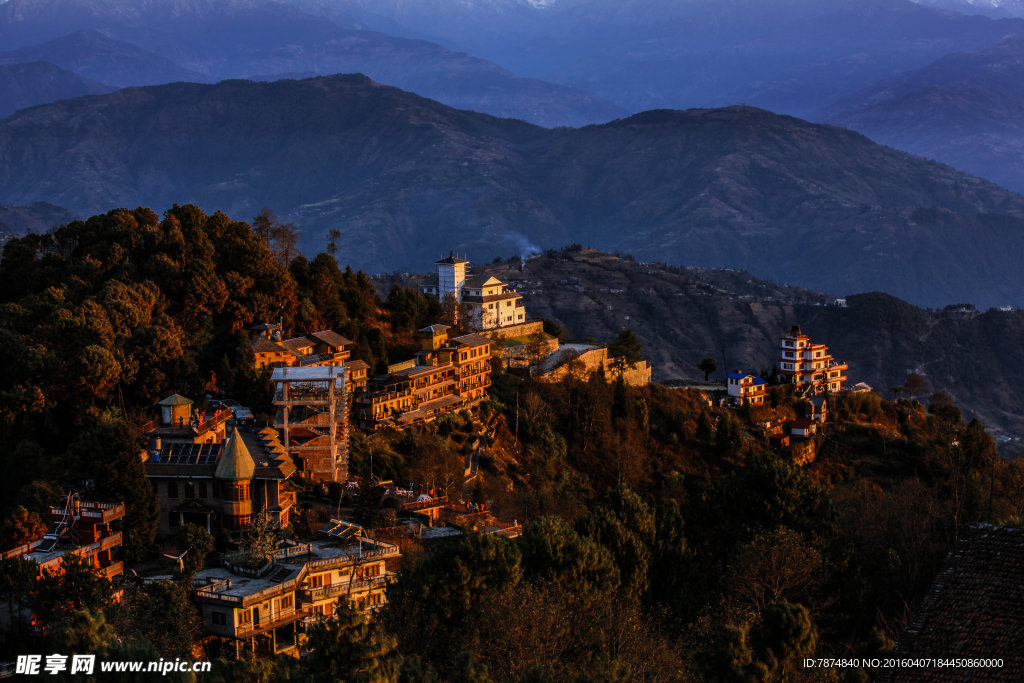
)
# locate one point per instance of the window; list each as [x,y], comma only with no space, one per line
[316,581]
[236,522]
[172,489]
[472,353]
[173,519]
[285,602]
[244,617]
[216,489]
[219,619]
[190,490]
[235,492]
[202,489]
[374,599]
[464,355]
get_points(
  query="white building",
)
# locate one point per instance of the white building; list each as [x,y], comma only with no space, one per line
[747,389]
[490,302]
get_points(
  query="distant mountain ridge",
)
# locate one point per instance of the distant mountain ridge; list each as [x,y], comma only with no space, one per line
[966,109]
[32,83]
[789,56]
[93,55]
[222,39]
[405,178]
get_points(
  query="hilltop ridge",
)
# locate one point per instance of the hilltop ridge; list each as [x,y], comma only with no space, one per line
[404,178]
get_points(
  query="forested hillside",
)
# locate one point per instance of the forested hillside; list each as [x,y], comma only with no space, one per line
[683,315]
[663,538]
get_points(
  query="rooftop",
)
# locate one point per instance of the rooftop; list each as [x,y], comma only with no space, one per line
[236,463]
[329,337]
[450,260]
[323,372]
[481,280]
[176,400]
[264,345]
[975,608]
[472,340]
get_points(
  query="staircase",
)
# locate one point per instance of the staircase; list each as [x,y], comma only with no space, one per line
[280,575]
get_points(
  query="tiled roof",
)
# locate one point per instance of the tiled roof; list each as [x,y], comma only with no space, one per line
[434,329]
[330,337]
[481,280]
[472,340]
[451,259]
[974,609]
[176,400]
[358,365]
[802,424]
[264,345]
[297,343]
[758,380]
[737,375]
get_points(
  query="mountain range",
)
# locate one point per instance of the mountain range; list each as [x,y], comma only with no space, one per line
[32,83]
[965,109]
[405,179]
[997,9]
[92,55]
[210,40]
[789,56]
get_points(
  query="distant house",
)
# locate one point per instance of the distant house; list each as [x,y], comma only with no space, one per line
[974,610]
[805,428]
[816,408]
[317,348]
[839,302]
[806,364]
[490,303]
[746,388]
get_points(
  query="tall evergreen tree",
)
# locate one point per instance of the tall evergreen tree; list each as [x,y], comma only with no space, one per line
[107,458]
[350,649]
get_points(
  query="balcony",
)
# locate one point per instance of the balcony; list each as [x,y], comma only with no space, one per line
[382,396]
[335,590]
[89,512]
[115,569]
[249,630]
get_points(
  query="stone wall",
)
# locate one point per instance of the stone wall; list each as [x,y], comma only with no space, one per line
[637,374]
[514,330]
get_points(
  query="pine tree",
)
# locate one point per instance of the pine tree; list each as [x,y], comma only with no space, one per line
[75,585]
[350,649]
[107,455]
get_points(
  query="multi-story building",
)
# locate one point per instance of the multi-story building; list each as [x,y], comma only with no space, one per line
[222,485]
[263,610]
[317,348]
[447,375]
[312,414]
[78,527]
[487,302]
[492,304]
[746,388]
[451,274]
[806,364]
